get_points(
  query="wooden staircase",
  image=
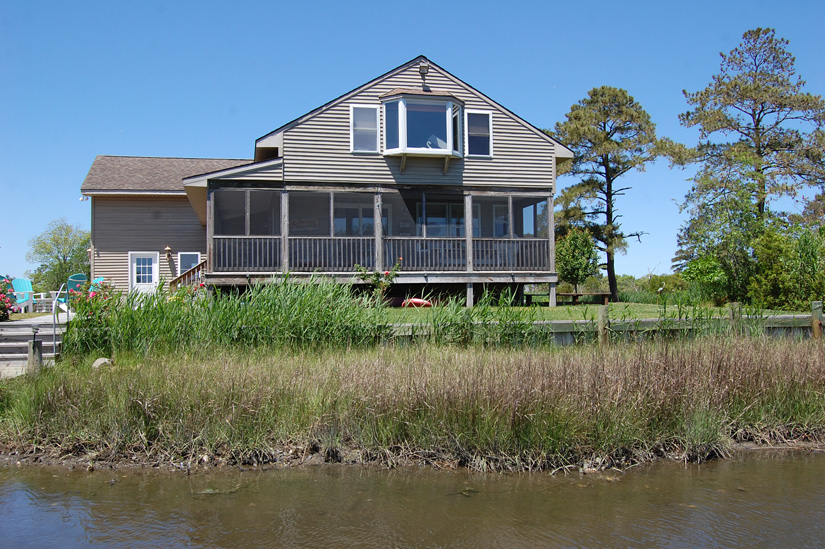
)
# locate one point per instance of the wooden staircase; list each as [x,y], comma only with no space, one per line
[14,338]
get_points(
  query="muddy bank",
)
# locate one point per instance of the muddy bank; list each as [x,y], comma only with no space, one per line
[297,457]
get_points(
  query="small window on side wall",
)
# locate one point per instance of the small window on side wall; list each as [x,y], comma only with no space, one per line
[364,129]
[479,133]
[187,260]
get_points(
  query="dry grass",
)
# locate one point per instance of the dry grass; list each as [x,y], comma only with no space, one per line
[487,409]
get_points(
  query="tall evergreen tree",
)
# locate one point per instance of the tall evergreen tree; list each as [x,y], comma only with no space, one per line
[758,130]
[760,138]
[610,134]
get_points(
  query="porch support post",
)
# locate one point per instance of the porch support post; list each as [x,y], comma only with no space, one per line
[285,231]
[379,234]
[469,294]
[210,229]
[551,237]
[468,229]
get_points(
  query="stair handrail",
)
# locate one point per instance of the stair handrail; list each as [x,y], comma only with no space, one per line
[55,306]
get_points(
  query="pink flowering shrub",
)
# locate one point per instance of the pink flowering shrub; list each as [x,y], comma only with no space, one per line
[379,281]
[7,299]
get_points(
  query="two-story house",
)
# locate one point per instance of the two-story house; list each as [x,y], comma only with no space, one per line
[415,167]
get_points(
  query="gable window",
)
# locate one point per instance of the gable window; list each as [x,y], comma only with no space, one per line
[422,127]
[364,129]
[479,133]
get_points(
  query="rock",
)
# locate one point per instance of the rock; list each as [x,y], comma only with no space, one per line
[101,362]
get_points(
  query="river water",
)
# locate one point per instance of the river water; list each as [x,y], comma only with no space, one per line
[764,498]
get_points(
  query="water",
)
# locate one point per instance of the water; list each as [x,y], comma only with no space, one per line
[765,498]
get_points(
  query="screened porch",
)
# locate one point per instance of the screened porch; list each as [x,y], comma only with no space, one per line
[255,230]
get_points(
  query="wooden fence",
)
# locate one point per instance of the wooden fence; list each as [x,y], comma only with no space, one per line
[605,330]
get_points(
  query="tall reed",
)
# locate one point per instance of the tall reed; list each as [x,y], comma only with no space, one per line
[486,408]
[316,313]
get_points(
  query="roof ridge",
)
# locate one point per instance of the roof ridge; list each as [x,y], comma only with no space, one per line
[169,157]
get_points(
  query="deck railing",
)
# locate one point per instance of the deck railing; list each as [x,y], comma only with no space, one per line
[427,254]
[310,254]
[188,278]
[339,254]
[520,254]
[261,254]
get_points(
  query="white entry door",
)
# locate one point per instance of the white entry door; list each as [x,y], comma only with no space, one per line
[143,271]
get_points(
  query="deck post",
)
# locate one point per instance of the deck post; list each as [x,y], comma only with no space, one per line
[816,320]
[551,302]
[210,230]
[379,234]
[469,294]
[468,229]
[285,231]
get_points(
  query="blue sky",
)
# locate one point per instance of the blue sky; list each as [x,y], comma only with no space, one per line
[205,79]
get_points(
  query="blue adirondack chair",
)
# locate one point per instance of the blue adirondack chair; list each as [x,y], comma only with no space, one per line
[24,294]
[74,284]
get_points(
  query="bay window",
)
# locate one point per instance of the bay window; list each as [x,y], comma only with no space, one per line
[422,127]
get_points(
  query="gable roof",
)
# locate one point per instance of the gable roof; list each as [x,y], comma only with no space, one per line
[148,175]
[561,150]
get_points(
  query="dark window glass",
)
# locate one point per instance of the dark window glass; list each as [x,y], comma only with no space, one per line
[478,134]
[391,124]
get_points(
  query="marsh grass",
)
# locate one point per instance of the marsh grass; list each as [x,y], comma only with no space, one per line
[318,313]
[487,408]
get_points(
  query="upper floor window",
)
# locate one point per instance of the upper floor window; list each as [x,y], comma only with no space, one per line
[364,129]
[422,127]
[479,133]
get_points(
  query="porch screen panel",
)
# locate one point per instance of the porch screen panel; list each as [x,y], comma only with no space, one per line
[494,216]
[401,207]
[230,212]
[445,215]
[354,214]
[309,213]
[530,219]
[264,213]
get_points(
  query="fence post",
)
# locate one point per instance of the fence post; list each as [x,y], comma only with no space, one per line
[816,320]
[735,315]
[602,325]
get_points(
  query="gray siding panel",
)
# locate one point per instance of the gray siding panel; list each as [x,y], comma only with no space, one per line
[124,224]
[317,150]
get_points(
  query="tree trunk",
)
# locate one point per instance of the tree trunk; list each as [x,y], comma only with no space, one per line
[611,277]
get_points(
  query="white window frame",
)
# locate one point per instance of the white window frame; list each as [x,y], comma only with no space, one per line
[402,127]
[467,113]
[180,272]
[155,268]
[374,108]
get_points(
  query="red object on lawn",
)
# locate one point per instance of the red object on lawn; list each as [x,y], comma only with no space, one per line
[416,302]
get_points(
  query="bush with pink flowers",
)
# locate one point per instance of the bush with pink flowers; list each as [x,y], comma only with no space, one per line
[7,299]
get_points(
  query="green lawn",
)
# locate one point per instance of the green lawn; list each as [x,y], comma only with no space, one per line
[21,316]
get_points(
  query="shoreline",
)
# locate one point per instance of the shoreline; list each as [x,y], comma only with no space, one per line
[290,458]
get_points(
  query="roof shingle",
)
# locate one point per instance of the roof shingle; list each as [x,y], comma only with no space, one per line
[149,174]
